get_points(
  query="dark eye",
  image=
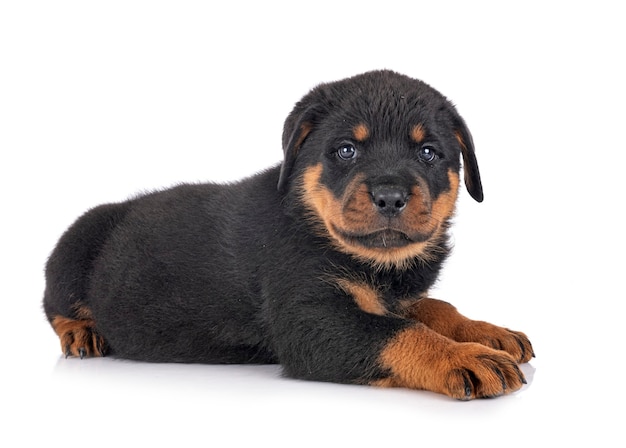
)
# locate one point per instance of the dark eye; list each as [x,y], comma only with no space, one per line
[427,154]
[346,152]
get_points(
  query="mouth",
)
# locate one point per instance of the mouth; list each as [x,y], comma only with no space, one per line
[382,239]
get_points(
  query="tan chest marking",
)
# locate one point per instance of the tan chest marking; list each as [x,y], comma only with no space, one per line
[365,296]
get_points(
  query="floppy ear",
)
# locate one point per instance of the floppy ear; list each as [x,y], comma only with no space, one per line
[297,126]
[470,164]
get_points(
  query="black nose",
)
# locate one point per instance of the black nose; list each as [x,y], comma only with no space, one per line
[389,200]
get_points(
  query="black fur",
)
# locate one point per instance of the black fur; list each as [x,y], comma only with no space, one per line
[245,273]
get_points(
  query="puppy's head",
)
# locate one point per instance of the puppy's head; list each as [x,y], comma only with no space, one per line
[375,159]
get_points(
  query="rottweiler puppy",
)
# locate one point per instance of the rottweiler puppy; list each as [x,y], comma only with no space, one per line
[322,264]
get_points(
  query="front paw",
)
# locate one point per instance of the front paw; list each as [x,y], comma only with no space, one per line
[515,343]
[419,358]
[480,372]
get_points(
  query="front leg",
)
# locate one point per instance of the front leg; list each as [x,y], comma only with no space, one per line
[446,320]
[328,336]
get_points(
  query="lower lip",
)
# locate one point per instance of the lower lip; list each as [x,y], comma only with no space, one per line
[384,239]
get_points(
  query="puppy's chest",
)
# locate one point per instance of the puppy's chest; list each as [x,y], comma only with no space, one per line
[383,294]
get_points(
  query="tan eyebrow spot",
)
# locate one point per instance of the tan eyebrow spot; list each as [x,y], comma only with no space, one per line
[360,132]
[418,133]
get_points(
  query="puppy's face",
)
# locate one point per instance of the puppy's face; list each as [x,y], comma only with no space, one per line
[375,159]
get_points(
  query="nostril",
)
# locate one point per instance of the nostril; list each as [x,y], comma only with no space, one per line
[389,200]
[399,204]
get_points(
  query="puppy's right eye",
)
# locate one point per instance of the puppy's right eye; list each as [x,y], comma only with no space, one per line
[346,152]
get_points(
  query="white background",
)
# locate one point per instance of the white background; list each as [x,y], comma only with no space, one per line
[101,100]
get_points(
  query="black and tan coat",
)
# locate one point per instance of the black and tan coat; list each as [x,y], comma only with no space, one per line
[322,264]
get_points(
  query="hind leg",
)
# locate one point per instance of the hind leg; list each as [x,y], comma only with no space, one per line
[68,272]
[79,336]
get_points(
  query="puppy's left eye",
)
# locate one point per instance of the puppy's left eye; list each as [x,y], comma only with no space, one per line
[346,152]
[427,154]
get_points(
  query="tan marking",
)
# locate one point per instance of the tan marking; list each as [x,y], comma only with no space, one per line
[418,133]
[413,357]
[444,205]
[357,211]
[365,296]
[437,315]
[444,318]
[360,132]
[420,358]
[357,214]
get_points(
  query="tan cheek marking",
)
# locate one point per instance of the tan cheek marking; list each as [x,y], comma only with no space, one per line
[360,132]
[418,208]
[444,205]
[359,212]
[418,134]
[317,197]
[366,297]
[426,217]
[329,209]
